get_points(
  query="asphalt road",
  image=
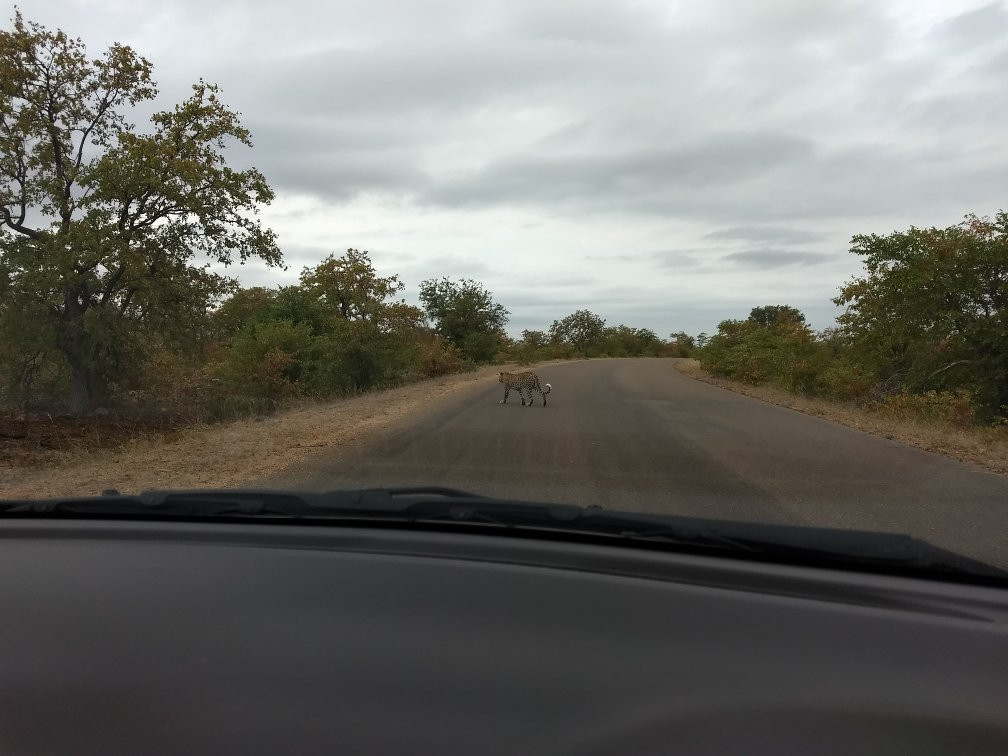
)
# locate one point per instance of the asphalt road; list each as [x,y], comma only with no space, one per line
[638,435]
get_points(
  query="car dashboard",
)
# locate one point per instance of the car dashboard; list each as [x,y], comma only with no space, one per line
[172,637]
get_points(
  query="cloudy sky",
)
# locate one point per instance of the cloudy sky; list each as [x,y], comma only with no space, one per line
[664,164]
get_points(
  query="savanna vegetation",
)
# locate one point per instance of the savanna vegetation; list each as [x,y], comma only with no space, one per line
[924,333]
[116,238]
[115,241]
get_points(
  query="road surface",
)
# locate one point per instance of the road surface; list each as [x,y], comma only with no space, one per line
[638,435]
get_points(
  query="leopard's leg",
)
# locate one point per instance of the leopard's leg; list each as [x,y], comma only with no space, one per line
[507,390]
[521,393]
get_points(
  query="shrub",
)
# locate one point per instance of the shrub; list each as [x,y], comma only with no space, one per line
[434,358]
[268,360]
[844,380]
[944,407]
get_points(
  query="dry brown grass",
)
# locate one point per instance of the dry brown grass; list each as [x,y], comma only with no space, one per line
[231,454]
[983,448]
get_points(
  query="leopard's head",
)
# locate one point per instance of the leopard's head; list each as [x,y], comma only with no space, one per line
[501,378]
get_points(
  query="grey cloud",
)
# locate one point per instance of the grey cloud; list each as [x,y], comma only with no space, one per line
[589,21]
[679,259]
[341,175]
[776,258]
[452,266]
[618,257]
[996,65]
[713,161]
[350,115]
[766,234]
[430,77]
[984,25]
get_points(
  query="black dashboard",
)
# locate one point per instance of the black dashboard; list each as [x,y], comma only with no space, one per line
[156,637]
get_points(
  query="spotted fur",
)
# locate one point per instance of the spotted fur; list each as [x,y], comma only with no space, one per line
[522,381]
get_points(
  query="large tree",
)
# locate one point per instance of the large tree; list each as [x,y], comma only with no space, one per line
[350,286]
[466,315]
[581,329]
[108,231]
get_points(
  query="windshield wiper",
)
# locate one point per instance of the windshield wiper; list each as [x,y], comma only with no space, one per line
[447,507]
[415,505]
[240,503]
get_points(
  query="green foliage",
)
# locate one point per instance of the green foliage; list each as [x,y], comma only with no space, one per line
[584,334]
[101,224]
[681,344]
[466,315]
[334,333]
[624,341]
[843,378]
[786,353]
[240,308]
[534,339]
[924,334]
[770,314]
[933,308]
[349,286]
[268,359]
[581,330]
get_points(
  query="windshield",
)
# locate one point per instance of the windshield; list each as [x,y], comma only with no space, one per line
[745,262]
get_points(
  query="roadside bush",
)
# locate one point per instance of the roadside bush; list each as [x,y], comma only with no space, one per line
[940,407]
[435,357]
[268,360]
[784,353]
[844,380]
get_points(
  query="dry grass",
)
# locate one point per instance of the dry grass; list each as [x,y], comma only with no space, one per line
[983,448]
[231,454]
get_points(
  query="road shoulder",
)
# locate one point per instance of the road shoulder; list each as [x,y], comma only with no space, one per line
[233,454]
[970,447]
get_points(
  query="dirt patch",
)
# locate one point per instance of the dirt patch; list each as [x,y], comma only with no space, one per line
[219,456]
[43,440]
[983,448]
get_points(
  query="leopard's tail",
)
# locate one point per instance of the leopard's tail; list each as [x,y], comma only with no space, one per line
[547,389]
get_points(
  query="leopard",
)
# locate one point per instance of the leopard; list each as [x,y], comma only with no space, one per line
[522,381]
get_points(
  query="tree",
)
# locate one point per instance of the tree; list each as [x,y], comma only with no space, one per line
[933,307]
[466,315]
[533,339]
[240,308]
[771,314]
[105,230]
[350,285]
[580,329]
[785,353]
[682,343]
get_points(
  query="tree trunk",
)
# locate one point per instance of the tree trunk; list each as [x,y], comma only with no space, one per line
[72,341]
[81,388]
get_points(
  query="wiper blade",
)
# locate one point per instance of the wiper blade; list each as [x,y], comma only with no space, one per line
[567,517]
[216,503]
[440,507]
[789,543]
[428,504]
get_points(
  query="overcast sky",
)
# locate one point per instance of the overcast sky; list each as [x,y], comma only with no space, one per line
[664,164]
